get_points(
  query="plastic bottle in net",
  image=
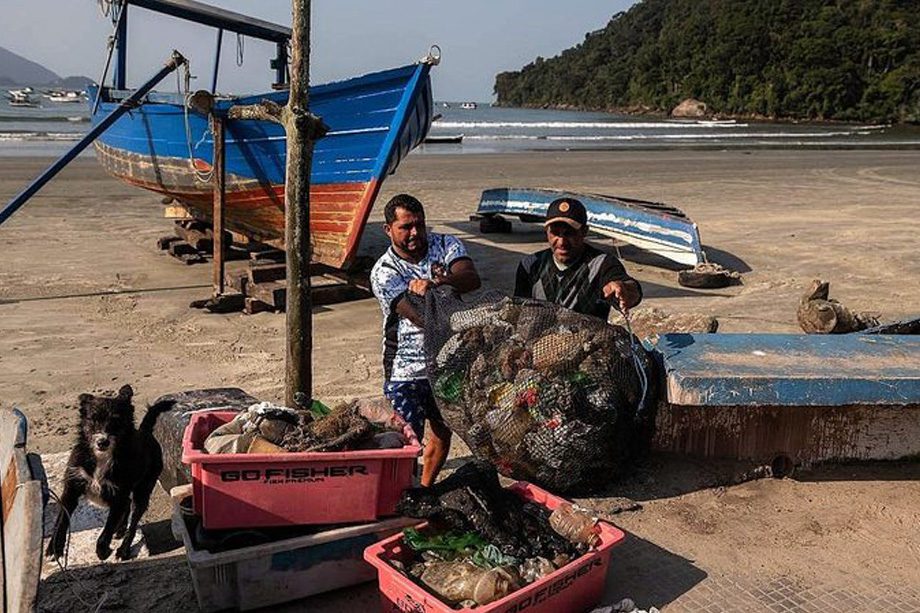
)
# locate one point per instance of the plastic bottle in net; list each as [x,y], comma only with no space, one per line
[544,393]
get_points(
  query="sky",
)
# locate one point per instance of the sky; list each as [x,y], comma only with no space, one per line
[478,39]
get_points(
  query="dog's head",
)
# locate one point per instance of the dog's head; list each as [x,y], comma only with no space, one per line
[106,419]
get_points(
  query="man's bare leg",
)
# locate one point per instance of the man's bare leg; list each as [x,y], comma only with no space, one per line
[435,453]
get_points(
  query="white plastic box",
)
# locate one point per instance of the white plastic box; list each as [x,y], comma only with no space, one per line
[283,570]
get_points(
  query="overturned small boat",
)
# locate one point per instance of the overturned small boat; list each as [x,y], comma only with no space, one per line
[660,228]
[167,147]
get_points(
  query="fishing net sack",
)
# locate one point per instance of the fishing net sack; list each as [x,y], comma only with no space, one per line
[545,394]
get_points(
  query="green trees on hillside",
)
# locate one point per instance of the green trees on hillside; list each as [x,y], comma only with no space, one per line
[805,59]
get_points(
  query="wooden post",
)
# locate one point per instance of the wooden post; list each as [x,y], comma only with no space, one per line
[301,128]
[219,180]
[298,366]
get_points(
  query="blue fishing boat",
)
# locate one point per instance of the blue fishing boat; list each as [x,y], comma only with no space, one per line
[166,147]
[660,228]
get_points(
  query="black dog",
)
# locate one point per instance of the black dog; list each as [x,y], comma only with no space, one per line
[114,465]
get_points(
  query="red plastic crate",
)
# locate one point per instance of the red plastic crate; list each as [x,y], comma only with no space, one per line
[577,586]
[237,490]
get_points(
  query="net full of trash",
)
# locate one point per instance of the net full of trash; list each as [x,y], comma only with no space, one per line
[545,394]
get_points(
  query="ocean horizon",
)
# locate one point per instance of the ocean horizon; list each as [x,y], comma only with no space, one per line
[52,128]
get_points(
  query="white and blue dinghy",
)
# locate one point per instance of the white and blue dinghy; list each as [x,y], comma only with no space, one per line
[660,228]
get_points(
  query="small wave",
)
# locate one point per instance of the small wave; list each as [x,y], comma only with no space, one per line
[646,137]
[42,119]
[598,125]
[40,136]
[502,137]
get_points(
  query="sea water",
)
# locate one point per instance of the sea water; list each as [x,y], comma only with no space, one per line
[52,128]
[497,130]
[49,129]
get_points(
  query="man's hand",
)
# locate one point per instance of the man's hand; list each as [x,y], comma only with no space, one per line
[625,292]
[420,286]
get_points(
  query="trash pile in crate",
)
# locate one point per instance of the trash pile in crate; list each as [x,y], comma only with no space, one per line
[268,428]
[483,542]
[545,394]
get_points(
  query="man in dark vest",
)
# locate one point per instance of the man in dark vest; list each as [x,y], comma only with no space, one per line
[571,273]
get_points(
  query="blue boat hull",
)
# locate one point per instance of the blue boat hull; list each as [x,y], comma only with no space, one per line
[374,120]
[659,228]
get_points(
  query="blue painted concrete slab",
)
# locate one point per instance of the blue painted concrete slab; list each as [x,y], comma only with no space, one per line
[790,369]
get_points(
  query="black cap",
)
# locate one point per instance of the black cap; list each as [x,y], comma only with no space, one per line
[567,210]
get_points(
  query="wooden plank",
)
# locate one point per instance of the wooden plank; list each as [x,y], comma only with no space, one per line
[21,517]
[337,293]
[267,272]
[786,400]
[791,369]
[176,212]
[180,247]
[273,255]
[360,280]
[164,242]
[196,235]
[806,434]
[238,281]
[273,293]
[252,306]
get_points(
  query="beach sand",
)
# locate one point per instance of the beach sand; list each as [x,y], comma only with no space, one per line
[87,303]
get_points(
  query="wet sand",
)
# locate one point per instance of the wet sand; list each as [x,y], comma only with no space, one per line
[87,303]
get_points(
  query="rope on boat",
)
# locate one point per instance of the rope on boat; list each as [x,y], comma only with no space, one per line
[204,177]
[105,72]
[239,49]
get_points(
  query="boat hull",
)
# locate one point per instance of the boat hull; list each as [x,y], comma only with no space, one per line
[374,121]
[659,228]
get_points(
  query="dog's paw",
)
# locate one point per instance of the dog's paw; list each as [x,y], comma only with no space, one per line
[103,551]
[124,551]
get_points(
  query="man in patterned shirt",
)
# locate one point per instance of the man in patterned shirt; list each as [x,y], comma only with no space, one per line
[415,262]
[572,273]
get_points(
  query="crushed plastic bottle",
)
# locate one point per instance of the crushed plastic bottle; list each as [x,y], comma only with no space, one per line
[462,580]
[575,525]
[532,569]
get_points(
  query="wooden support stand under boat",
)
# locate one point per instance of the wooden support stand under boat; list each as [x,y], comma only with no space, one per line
[263,287]
[254,281]
[193,243]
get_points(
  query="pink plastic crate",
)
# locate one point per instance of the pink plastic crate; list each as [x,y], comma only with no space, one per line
[237,490]
[577,586]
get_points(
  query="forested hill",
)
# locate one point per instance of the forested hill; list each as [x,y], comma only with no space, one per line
[803,59]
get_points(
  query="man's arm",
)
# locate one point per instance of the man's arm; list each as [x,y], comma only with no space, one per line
[617,284]
[627,293]
[462,277]
[407,311]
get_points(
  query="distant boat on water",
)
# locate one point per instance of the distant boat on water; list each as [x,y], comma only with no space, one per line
[21,98]
[64,96]
[469,106]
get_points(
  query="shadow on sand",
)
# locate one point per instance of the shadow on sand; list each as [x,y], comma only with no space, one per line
[648,574]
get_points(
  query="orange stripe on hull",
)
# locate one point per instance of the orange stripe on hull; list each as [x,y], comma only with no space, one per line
[338,211]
